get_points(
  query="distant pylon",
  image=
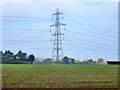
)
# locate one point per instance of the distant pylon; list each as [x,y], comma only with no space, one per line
[57,52]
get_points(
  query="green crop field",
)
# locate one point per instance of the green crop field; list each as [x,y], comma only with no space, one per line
[59,76]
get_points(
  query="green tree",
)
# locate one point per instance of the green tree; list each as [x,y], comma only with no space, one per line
[1,54]
[100,61]
[24,56]
[31,58]
[47,61]
[8,54]
[95,62]
[73,61]
[85,61]
[1,57]
[90,61]
[65,60]
[19,54]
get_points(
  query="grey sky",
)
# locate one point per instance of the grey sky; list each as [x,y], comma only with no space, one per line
[82,41]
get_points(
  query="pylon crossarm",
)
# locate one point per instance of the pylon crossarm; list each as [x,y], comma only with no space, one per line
[52,25]
[57,13]
[62,24]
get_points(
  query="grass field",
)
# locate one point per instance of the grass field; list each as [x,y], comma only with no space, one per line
[59,76]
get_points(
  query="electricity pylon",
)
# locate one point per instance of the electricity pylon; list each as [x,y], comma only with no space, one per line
[57,52]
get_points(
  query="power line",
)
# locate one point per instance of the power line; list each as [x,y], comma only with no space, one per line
[77,33]
[23,29]
[27,48]
[99,43]
[21,18]
[64,19]
[25,20]
[20,32]
[24,40]
[15,30]
[75,46]
[106,35]
[105,47]
[24,17]
[31,41]
[90,26]
[92,36]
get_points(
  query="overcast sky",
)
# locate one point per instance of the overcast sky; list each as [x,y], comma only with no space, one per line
[91,28]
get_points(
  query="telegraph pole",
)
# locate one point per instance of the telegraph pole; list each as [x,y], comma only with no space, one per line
[57,52]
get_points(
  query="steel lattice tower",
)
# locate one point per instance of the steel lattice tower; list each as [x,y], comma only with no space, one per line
[57,52]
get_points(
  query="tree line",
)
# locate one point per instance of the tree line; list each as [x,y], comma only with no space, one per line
[67,60]
[8,57]
[22,58]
